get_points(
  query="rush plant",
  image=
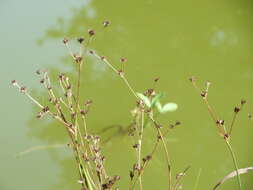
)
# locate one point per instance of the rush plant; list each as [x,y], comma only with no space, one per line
[71,112]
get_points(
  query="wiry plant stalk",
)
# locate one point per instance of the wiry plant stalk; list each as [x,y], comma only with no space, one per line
[220,125]
[235,163]
[122,75]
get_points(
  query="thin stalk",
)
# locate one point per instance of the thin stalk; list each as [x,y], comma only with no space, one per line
[117,72]
[177,184]
[144,165]
[166,153]
[140,146]
[232,124]
[235,163]
[167,158]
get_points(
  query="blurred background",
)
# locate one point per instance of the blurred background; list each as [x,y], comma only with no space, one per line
[173,40]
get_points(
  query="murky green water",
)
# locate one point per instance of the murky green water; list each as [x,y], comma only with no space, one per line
[168,39]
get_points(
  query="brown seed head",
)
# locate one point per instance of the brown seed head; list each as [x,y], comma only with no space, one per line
[45,109]
[243,102]
[103,58]
[91,32]
[116,178]
[38,72]
[106,23]
[203,94]
[226,136]
[236,109]
[42,81]
[123,60]
[83,112]
[88,102]
[156,79]
[65,40]
[78,58]
[23,89]
[192,79]
[131,174]
[220,122]
[14,82]
[121,73]
[80,40]
[61,76]
[178,123]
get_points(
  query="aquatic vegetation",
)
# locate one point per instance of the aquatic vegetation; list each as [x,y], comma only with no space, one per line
[66,106]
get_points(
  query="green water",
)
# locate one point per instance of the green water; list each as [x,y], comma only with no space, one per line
[172,40]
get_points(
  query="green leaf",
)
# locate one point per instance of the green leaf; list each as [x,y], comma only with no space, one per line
[156,98]
[159,107]
[169,107]
[144,99]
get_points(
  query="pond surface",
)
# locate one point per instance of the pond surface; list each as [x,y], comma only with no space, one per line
[173,40]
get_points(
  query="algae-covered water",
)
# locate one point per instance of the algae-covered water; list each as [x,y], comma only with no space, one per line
[173,40]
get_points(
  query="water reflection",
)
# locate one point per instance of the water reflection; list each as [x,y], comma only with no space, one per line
[173,41]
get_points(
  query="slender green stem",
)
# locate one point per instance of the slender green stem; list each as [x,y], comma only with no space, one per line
[235,163]
[232,124]
[117,72]
[166,153]
[140,146]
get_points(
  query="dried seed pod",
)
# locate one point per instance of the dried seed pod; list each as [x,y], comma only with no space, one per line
[192,79]
[243,102]
[45,109]
[105,186]
[136,145]
[61,76]
[148,157]
[42,81]
[103,58]
[80,40]
[156,79]
[220,122]
[226,136]
[88,102]
[38,72]
[91,32]
[178,123]
[123,60]
[121,73]
[158,126]
[131,174]
[203,94]
[23,89]
[106,23]
[14,82]
[236,109]
[83,112]
[65,40]
[78,58]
